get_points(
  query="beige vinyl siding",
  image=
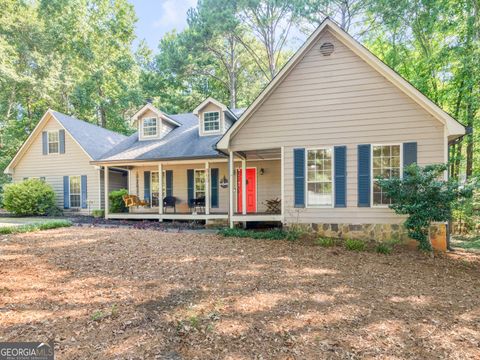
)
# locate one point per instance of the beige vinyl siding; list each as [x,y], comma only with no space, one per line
[268,185]
[209,108]
[338,100]
[54,166]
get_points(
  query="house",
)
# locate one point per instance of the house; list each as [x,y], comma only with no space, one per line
[59,150]
[333,119]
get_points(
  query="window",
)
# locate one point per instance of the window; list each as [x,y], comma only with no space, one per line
[199,184]
[385,164]
[319,177]
[211,121]
[53,142]
[150,127]
[154,182]
[75,191]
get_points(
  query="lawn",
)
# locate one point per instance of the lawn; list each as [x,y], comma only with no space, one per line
[125,293]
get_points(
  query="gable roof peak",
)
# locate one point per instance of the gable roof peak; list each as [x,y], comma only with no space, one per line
[453,127]
[151,107]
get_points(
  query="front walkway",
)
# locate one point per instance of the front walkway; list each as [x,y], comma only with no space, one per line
[19,221]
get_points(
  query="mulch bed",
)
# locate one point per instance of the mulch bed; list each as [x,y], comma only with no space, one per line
[137,224]
[140,294]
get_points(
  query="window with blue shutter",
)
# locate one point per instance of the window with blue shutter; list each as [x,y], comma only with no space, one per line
[214,187]
[340,159]
[364,177]
[299,177]
[44,143]
[84,191]
[61,139]
[146,185]
[66,192]
[409,153]
[168,183]
[190,183]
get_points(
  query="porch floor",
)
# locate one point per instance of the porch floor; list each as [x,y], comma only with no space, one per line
[197,216]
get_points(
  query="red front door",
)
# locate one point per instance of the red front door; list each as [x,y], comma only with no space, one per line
[251,187]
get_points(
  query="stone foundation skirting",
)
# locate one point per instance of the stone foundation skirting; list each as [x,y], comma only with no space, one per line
[380,233]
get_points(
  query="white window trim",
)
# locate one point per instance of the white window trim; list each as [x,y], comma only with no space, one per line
[151,187]
[219,122]
[331,148]
[195,183]
[157,122]
[69,193]
[381,206]
[48,142]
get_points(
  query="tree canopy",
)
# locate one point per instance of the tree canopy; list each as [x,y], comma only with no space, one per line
[79,57]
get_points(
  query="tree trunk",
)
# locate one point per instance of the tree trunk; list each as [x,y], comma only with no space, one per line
[101,109]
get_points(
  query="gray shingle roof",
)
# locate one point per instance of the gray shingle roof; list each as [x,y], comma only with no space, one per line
[182,142]
[95,140]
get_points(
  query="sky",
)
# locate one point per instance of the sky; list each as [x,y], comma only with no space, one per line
[157,17]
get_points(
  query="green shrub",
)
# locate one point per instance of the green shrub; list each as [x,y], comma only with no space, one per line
[52,224]
[98,213]
[29,197]
[273,234]
[116,203]
[424,197]
[383,249]
[355,245]
[325,242]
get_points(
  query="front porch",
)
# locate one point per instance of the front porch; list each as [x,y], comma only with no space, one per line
[204,190]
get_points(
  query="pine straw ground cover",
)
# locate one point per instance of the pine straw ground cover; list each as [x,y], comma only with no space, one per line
[143,294]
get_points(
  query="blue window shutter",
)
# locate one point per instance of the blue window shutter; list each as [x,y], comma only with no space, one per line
[146,185]
[214,187]
[299,177]
[409,153]
[61,139]
[190,184]
[44,142]
[66,192]
[169,182]
[84,191]
[364,175]
[340,158]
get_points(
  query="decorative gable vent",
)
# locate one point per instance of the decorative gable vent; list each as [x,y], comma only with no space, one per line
[327,49]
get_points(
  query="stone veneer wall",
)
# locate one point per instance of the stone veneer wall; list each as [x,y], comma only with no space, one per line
[380,232]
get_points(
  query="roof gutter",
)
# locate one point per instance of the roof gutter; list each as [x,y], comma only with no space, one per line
[106,162]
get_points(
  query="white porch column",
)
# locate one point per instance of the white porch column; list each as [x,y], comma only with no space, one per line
[207,188]
[282,183]
[105,188]
[160,189]
[231,170]
[244,187]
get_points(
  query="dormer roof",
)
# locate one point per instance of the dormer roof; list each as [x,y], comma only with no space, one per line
[159,113]
[211,100]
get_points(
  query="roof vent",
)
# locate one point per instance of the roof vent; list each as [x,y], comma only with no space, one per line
[327,49]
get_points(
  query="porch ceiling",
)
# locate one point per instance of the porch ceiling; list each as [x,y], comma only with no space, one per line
[264,154]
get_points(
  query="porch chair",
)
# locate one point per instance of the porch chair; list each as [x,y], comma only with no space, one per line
[170,201]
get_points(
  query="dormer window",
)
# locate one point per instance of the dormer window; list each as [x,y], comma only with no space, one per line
[211,121]
[150,127]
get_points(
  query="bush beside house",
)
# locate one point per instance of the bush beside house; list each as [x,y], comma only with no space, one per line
[30,197]
[116,203]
